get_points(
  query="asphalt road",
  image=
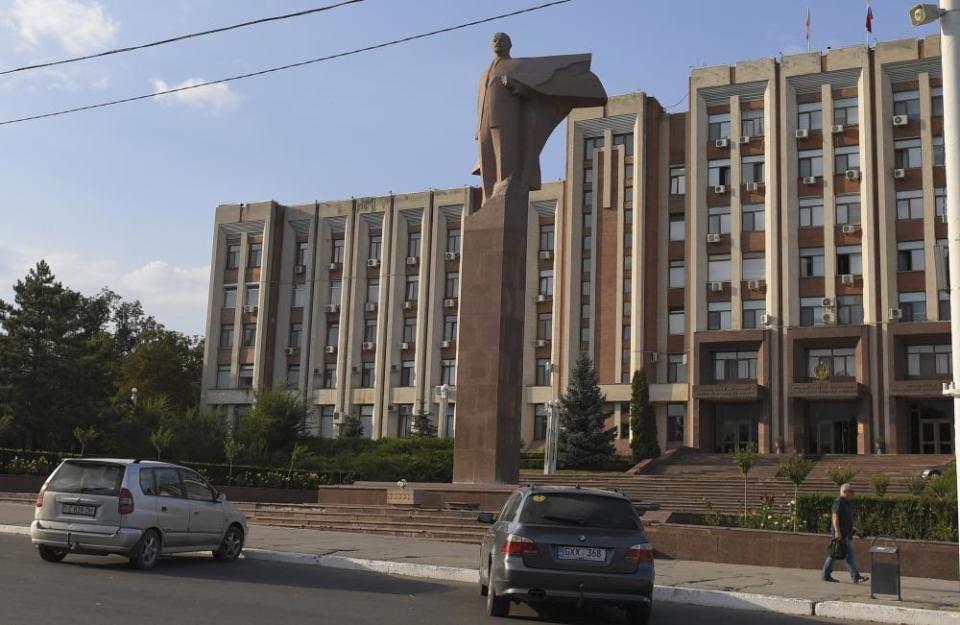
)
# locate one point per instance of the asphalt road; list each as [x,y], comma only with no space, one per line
[196,590]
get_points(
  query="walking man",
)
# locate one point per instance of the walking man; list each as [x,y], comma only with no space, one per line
[842,525]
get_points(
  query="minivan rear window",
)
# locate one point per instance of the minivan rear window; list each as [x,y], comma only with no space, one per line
[94,478]
[576,510]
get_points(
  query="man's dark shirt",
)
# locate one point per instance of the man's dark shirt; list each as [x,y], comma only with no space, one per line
[844,510]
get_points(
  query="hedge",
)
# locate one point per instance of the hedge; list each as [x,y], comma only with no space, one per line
[919,518]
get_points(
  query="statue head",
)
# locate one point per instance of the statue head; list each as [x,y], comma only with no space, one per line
[502,45]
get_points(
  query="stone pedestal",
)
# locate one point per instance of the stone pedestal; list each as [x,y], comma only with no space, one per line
[490,342]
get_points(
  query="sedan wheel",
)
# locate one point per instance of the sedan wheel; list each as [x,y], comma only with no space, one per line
[231,546]
[496,606]
[49,554]
[147,551]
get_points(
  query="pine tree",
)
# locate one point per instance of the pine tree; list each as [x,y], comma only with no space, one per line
[351,427]
[584,443]
[643,420]
[422,427]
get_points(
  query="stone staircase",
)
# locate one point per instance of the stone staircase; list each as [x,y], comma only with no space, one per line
[24,498]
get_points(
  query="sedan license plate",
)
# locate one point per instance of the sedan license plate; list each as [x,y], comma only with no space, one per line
[586,554]
[69,508]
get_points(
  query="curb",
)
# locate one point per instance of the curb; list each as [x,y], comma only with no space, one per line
[15,529]
[733,600]
[878,613]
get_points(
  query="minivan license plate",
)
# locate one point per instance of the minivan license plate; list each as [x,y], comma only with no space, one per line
[588,554]
[69,508]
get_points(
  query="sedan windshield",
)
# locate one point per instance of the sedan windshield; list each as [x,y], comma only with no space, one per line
[573,509]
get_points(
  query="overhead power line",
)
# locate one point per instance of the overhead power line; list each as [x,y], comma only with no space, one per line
[161,42]
[280,68]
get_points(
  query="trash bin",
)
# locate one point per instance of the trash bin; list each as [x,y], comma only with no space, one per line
[885,568]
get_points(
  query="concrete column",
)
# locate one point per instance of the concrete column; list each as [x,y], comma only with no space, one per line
[829,197]
[736,220]
[929,205]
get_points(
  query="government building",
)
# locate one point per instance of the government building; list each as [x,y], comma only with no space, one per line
[773,258]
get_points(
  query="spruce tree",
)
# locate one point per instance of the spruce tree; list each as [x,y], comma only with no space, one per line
[422,427]
[584,443]
[351,427]
[643,420]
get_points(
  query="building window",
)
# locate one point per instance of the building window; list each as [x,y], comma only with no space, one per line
[846,112]
[677,321]
[369,330]
[450,328]
[546,237]
[452,287]
[448,418]
[913,306]
[256,255]
[753,311]
[811,262]
[448,372]
[367,375]
[907,103]
[678,275]
[676,369]
[936,95]
[539,422]
[626,140]
[811,212]
[299,291]
[330,375]
[404,420]
[336,251]
[587,175]
[407,373]
[302,248]
[940,201]
[718,220]
[410,330]
[326,422]
[544,326]
[718,316]
[223,376]
[293,376]
[587,200]
[810,163]
[413,244]
[849,260]
[410,289]
[906,153]
[590,145]
[226,337]
[678,181]
[373,291]
[841,362]
[910,256]
[909,204]
[929,361]
[366,420]
[334,292]
[718,172]
[333,334]
[848,209]
[734,366]
[245,380]
[373,252]
[846,158]
[811,311]
[754,266]
[230,296]
[678,227]
[543,372]
[850,310]
[809,116]
[939,155]
[296,335]
[545,285]
[249,334]
[676,418]
[944,305]
[753,218]
[718,126]
[252,295]
[751,123]
[453,240]
[233,256]
[751,169]
[718,267]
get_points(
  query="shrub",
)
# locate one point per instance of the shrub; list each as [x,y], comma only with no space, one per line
[744,458]
[795,468]
[880,483]
[915,485]
[841,475]
[899,517]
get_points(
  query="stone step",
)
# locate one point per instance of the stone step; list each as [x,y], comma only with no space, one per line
[333,517]
[452,536]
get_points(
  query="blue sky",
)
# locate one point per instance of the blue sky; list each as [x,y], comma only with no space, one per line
[124,197]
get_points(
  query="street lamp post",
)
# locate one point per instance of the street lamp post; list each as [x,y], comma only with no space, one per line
[949,15]
[553,433]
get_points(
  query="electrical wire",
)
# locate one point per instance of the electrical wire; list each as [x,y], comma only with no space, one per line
[161,42]
[271,70]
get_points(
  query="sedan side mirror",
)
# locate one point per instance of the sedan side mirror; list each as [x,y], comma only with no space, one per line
[486,517]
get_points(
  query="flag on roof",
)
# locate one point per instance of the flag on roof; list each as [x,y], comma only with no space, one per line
[869,23]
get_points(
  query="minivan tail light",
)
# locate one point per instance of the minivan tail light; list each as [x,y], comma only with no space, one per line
[518,545]
[642,554]
[43,490]
[125,503]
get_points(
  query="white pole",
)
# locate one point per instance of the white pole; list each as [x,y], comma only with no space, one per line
[950,51]
[553,432]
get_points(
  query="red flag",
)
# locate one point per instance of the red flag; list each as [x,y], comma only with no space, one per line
[808,27]
[869,18]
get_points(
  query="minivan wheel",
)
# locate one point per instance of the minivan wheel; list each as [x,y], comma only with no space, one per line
[145,555]
[496,606]
[49,554]
[639,614]
[231,546]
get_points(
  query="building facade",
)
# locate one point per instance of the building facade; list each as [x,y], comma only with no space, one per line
[773,259]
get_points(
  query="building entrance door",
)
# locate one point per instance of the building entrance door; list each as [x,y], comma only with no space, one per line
[832,427]
[936,436]
[737,435]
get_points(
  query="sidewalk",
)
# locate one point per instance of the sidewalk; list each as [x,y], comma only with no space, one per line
[758,583]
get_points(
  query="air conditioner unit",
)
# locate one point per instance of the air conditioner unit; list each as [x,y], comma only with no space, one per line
[545,254]
[373,262]
[299,269]
[336,415]
[721,143]
[720,189]
[713,237]
[332,308]
[391,407]
[766,319]
[451,255]
[333,266]
[716,286]
[290,351]
[828,318]
[444,344]
[942,218]
[683,359]
[899,174]
[848,228]
[753,186]
[404,346]
[395,367]
[809,180]
[450,303]
[801,133]
[753,285]
[368,346]
[409,304]
[846,278]
[852,174]
[745,139]
[249,309]
[894,314]
[836,128]
[330,349]
[654,356]
[541,343]
[355,368]
[370,307]
[541,298]
[901,120]
[413,260]
[826,302]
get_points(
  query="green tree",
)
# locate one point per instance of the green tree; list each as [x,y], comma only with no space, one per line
[298,455]
[841,475]
[232,448]
[85,436]
[643,419]
[351,427]
[584,443]
[744,458]
[197,434]
[160,439]
[163,362]
[422,427]
[795,468]
[275,422]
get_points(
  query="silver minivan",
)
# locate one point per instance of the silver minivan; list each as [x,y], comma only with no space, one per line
[140,509]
